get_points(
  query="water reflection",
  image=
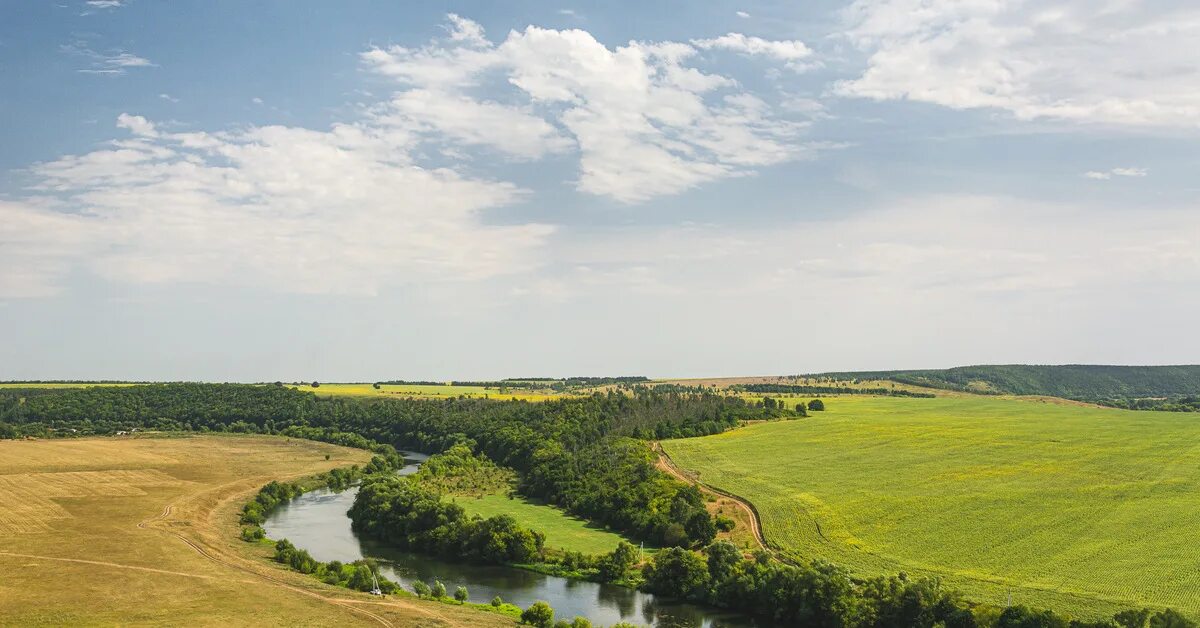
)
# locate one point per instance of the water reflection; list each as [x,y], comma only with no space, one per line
[317,522]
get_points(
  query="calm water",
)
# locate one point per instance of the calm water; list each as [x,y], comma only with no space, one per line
[317,522]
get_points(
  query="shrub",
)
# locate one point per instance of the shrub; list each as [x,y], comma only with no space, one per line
[539,614]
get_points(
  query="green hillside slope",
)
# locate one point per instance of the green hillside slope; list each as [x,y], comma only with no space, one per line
[1071,381]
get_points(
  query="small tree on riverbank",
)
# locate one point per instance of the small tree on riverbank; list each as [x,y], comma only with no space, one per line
[539,614]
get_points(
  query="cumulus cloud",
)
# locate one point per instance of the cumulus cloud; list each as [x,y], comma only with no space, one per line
[1127,62]
[360,205]
[645,123]
[345,210]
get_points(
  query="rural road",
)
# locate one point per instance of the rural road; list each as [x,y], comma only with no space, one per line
[667,465]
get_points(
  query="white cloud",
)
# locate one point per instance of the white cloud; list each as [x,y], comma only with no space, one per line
[743,14]
[1117,172]
[104,4]
[466,31]
[784,50]
[645,123]
[1121,62]
[345,211]
[168,98]
[472,122]
[114,62]
[137,125]
[256,100]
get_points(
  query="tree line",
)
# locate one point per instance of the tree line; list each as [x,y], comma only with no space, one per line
[822,595]
[801,389]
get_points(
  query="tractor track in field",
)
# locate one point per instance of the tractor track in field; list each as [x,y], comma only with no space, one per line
[238,563]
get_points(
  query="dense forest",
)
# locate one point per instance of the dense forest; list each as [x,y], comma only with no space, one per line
[1134,387]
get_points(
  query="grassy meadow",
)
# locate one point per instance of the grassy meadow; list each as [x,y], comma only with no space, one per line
[562,531]
[1081,509]
[143,531]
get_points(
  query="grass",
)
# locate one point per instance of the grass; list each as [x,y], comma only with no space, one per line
[1085,510]
[107,531]
[429,391]
[562,531]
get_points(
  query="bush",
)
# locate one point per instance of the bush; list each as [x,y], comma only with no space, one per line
[439,590]
[539,614]
[421,589]
[460,594]
[816,405]
[497,601]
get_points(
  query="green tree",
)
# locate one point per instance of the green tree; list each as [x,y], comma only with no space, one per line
[539,614]
[461,595]
[497,601]
[816,405]
[420,588]
[439,590]
[1133,618]
[614,565]
[1171,618]
[723,556]
[677,572]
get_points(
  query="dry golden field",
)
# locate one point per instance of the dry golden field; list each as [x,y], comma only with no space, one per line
[143,531]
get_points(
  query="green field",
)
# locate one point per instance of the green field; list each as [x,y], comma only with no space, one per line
[562,530]
[1081,509]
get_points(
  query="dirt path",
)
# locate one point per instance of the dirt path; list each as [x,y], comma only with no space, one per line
[668,466]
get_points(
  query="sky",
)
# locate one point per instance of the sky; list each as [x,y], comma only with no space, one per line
[356,191]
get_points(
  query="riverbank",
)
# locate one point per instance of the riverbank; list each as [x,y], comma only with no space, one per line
[317,522]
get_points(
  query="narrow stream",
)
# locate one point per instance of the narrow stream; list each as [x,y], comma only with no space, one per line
[317,522]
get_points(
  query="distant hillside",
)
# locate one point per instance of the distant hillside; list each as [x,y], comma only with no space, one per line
[1071,381]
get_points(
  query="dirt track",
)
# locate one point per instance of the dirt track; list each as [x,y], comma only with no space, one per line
[668,466]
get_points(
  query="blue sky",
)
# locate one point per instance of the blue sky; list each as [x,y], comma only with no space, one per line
[359,191]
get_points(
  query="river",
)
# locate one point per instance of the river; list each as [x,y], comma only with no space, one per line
[317,522]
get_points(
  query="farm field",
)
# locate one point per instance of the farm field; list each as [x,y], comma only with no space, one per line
[428,391]
[1081,509]
[562,530]
[143,531]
